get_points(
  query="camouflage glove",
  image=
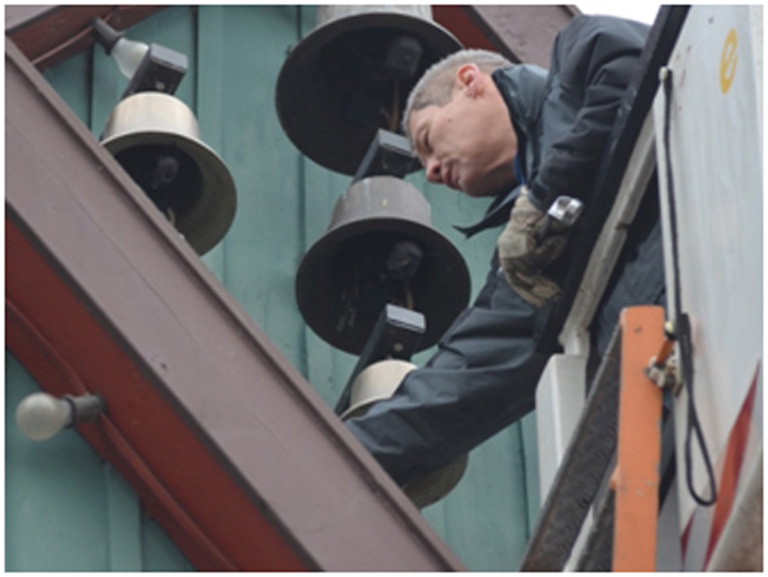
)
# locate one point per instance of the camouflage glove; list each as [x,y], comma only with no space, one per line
[523,256]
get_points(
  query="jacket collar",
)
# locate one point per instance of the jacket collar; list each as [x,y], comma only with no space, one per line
[523,88]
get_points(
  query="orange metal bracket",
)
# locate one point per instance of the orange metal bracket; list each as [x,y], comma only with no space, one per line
[635,480]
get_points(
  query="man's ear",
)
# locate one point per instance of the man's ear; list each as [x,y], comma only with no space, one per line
[470,78]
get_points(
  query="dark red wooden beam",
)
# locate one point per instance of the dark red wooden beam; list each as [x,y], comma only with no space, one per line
[49,34]
[521,33]
[225,443]
[459,21]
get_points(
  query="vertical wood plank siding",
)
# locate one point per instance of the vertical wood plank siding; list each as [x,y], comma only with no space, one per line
[284,205]
[67,510]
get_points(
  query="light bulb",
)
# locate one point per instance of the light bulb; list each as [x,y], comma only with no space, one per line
[40,416]
[128,54]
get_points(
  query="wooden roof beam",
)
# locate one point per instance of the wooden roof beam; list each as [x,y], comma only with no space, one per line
[521,33]
[49,34]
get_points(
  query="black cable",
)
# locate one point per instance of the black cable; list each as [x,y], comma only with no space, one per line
[682,322]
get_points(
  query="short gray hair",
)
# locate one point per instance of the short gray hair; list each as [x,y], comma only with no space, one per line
[436,84]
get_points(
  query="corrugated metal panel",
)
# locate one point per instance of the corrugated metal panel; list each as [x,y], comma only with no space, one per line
[284,205]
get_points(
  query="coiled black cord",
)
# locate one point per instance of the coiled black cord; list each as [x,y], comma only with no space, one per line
[682,322]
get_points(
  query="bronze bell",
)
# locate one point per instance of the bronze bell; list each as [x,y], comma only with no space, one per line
[352,75]
[155,137]
[380,249]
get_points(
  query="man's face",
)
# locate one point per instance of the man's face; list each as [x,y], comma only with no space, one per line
[468,144]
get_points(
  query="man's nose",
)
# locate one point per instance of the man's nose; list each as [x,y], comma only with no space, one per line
[433,171]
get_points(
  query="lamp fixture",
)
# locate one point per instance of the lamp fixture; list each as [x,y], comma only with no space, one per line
[41,416]
[147,66]
[128,54]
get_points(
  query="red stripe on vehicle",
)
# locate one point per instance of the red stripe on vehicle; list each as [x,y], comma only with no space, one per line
[734,459]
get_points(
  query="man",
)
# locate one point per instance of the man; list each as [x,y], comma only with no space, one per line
[523,137]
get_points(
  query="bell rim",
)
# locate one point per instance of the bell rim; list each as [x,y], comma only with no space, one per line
[437,484]
[317,261]
[333,28]
[376,370]
[222,197]
[438,38]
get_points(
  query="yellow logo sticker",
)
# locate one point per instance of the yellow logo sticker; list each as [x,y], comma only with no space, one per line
[728,61]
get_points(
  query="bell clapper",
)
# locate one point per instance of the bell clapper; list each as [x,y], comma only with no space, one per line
[394,118]
[409,300]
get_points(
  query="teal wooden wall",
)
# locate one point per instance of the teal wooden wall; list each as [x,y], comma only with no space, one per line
[284,206]
[68,510]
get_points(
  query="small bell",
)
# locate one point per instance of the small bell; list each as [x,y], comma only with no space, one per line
[155,137]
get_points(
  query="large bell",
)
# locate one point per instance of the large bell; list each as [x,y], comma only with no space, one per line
[380,249]
[155,137]
[352,75]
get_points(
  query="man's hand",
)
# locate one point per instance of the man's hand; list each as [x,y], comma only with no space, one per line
[523,255]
